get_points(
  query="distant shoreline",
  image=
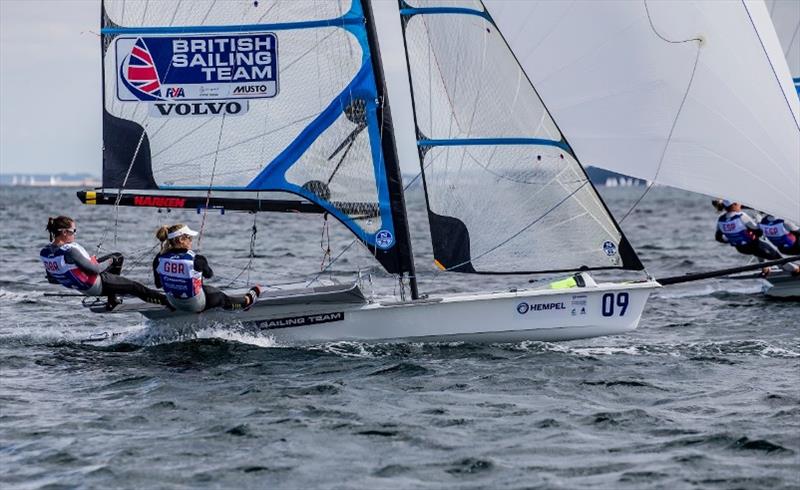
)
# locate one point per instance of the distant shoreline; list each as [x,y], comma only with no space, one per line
[49,180]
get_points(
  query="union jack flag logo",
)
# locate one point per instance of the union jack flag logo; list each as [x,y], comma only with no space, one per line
[141,72]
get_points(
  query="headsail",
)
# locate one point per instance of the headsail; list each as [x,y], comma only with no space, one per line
[505,191]
[691,94]
[253,96]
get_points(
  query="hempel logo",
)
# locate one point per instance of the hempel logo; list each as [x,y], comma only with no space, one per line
[524,308]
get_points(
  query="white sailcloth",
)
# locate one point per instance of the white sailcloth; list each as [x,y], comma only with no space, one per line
[691,94]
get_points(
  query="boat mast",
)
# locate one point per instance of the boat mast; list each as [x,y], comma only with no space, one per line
[391,163]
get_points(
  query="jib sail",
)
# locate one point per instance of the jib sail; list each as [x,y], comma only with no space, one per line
[505,191]
[253,96]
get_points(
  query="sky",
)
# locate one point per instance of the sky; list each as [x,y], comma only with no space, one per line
[50,102]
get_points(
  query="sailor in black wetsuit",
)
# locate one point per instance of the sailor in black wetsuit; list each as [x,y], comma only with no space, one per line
[180,272]
[736,228]
[67,263]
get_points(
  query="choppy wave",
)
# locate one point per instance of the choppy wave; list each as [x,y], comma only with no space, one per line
[703,394]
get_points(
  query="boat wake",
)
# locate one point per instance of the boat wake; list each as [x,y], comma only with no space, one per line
[697,290]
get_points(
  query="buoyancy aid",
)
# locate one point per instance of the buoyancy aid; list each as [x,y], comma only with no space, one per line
[177,274]
[777,233]
[69,275]
[735,231]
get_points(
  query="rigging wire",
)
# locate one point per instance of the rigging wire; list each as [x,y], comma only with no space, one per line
[323,244]
[252,255]
[210,183]
[119,195]
[121,189]
[699,40]
[353,241]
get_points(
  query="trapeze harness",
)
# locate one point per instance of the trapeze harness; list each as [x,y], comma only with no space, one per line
[736,232]
[182,284]
[70,275]
[776,232]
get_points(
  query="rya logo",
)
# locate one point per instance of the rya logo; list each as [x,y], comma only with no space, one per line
[175,92]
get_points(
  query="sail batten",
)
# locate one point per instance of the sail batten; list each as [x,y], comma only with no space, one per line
[492,142]
[408,11]
[346,20]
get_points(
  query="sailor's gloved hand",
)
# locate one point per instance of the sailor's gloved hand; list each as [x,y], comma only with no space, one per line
[117,259]
[51,279]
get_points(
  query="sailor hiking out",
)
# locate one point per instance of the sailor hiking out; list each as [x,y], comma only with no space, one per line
[739,230]
[67,263]
[180,272]
[785,235]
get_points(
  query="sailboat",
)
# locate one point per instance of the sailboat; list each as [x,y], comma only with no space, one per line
[218,106]
[237,105]
[691,94]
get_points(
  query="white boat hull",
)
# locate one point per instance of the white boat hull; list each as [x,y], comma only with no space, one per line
[782,285]
[539,314]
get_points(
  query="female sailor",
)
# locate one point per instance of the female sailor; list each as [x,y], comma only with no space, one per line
[67,263]
[180,272]
[785,235]
[736,228]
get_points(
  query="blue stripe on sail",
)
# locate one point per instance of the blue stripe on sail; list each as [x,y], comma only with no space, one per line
[444,10]
[341,21]
[494,141]
[273,176]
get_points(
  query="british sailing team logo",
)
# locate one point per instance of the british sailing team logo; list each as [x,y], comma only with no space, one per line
[609,248]
[204,75]
[141,73]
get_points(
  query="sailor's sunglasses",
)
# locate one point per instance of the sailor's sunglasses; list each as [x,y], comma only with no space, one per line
[71,231]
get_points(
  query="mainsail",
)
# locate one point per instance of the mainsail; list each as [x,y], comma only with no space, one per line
[505,191]
[249,96]
[691,94]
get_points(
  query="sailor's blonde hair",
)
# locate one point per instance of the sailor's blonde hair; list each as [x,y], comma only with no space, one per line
[167,243]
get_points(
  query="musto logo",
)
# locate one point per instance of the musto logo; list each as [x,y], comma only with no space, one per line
[524,307]
[197,68]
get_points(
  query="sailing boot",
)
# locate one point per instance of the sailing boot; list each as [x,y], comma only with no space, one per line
[252,295]
[112,302]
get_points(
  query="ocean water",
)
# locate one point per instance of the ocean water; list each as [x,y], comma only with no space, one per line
[705,394]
